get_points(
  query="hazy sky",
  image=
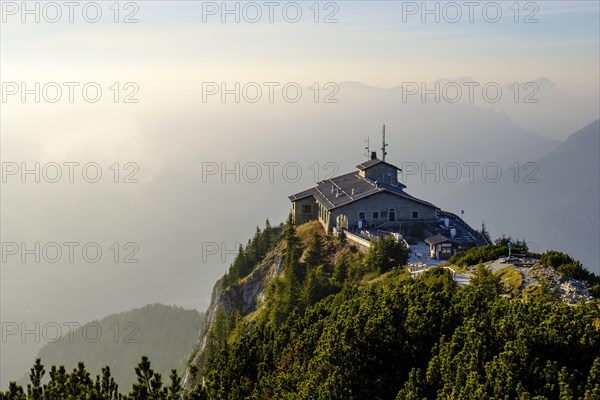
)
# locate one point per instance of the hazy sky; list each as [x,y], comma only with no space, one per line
[170,133]
[377,43]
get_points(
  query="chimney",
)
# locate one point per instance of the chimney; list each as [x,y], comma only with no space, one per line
[373,155]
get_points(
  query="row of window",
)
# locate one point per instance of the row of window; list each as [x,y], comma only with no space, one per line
[383,214]
[307,209]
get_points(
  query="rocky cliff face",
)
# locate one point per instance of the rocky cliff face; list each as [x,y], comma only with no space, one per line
[243,297]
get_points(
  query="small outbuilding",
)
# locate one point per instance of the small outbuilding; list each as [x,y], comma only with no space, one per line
[441,247]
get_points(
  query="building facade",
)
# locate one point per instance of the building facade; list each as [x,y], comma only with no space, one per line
[371,197]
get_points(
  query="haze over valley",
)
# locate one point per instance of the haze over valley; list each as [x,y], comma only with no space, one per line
[155,195]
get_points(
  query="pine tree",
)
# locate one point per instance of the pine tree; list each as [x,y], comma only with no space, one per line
[316,287]
[503,240]
[384,254]
[293,248]
[314,254]
[109,389]
[484,232]
[242,265]
[293,251]
[34,390]
[485,285]
[56,388]
[340,270]
[78,381]
[14,392]
[310,289]
[592,388]
[253,249]
[413,387]
[293,270]
[149,383]
[267,238]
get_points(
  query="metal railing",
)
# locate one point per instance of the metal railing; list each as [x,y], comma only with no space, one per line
[475,234]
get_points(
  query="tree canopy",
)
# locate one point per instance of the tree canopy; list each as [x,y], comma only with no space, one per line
[323,331]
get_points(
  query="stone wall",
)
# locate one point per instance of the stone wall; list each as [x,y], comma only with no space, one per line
[362,243]
[382,202]
[382,173]
[300,217]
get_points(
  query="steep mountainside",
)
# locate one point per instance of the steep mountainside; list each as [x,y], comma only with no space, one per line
[304,315]
[552,202]
[242,298]
[380,333]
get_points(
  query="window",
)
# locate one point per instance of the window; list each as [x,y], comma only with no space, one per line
[362,215]
[383,214]
[375,214]
[415,214]
[306,209]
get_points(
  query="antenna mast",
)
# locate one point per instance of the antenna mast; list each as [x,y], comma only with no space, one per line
[367,148]
[383,145]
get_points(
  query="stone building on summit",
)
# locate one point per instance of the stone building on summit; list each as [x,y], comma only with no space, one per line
[372,199]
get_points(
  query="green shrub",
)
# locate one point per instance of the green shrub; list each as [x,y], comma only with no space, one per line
[478,255]
[555,259]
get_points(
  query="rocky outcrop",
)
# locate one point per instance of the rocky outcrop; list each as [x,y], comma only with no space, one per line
[534,273]
[243,296]
[570,290]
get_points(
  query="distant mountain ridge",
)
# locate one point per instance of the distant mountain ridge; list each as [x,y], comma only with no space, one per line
[537,105]
[560,211]
[167,334]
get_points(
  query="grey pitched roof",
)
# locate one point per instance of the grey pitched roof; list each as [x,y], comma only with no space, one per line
[303,194]
[437,239]
[373,162]
[345,189]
